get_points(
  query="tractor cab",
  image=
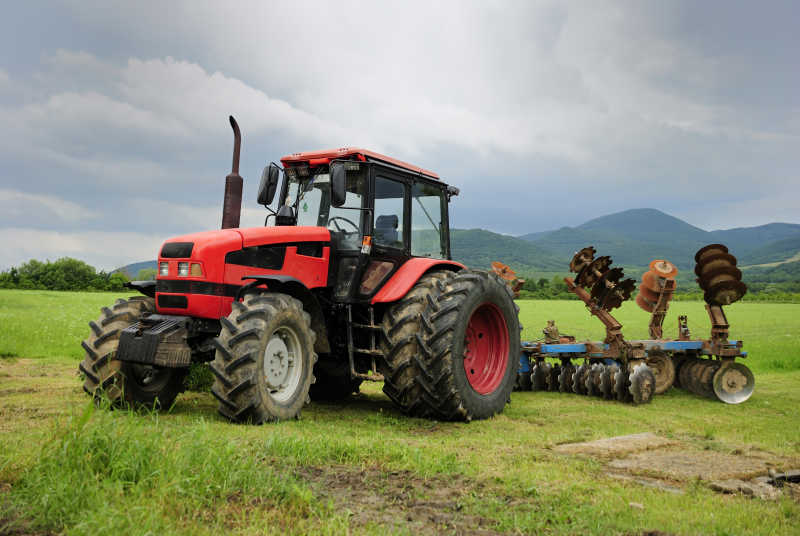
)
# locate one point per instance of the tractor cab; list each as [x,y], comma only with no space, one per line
[380,212]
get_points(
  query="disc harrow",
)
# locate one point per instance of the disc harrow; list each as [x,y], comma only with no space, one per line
[634,371]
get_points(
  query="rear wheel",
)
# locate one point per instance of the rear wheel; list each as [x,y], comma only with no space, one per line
[118,381]
[264,359]
[470,347]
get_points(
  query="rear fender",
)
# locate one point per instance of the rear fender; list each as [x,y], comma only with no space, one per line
[406,277]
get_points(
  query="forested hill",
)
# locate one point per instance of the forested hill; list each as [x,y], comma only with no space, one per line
[635,237]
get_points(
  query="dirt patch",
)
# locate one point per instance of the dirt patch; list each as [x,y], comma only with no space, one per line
[688,465]
[398,499]
[612,447]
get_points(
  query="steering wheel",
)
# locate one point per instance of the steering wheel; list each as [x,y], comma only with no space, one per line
[338,227]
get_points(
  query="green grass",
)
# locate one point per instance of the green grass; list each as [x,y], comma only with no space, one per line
[77,470]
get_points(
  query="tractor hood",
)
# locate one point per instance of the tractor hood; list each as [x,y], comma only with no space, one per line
[208,242]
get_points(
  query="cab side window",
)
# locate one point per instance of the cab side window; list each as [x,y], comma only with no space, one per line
[427,235]
[389,225]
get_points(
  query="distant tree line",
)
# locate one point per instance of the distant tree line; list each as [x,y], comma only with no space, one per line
[62,274]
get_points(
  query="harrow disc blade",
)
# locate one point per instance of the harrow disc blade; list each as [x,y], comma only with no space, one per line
[726,273]
[565,378]
[663,268]
[588,275]
[592,381]
[607,381]
[579,379]
[649,295]
[725,293]
[642,384]
[581,259]
[663,369]
[539,375]
[711,249]
[621,381]
[644,304]
[551,382]
[652,281]
[712,263]
[733,383]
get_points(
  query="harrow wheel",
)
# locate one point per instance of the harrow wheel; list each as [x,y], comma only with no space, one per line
[733,383]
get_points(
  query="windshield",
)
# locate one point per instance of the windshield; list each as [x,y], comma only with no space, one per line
[311,199]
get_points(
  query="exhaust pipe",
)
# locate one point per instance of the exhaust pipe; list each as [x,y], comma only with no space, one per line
[232,202]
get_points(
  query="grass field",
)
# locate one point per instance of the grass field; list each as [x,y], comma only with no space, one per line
[362,467]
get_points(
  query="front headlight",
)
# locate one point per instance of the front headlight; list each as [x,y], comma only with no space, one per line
[163,268]
[183,269]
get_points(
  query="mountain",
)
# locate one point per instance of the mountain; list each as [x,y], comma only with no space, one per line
[132,270]
[635,237]
[477,248]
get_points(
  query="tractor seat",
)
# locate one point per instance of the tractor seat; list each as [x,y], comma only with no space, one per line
[386,230]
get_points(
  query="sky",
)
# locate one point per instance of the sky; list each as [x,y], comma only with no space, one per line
[544,114]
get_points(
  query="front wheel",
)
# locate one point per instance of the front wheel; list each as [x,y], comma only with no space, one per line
[264,359]
[118,381]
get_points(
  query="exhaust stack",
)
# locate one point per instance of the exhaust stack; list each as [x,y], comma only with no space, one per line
[232,202]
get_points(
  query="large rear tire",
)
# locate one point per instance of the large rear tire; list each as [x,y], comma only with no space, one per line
[264,360]
[402,343]
[105,377]
[470,347]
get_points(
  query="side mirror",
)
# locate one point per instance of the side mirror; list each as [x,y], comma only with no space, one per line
[338,184]
[269,184]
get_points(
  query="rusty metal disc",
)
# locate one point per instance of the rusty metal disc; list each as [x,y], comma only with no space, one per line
[714,262]
[651,281]
[644,304]
[581,259]
[711,249]
[600,286]
[663,369]
[706,377]
[725,273]
[733,383]
[613,297]
[588,275]
[683,372]
[725,293]
[607,381]
[663,268]
[649,295]
[502,270]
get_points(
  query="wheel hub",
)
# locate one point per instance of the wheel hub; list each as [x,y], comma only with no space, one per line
[486,345]
[280,356]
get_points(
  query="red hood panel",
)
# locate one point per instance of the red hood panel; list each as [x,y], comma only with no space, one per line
[256,236]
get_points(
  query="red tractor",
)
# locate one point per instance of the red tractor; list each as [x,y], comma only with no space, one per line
[350,281]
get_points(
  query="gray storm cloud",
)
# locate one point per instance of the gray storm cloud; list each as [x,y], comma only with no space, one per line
[543,113]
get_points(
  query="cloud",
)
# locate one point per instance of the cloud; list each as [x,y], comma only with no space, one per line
[543,113]
[42,210]
[104,250]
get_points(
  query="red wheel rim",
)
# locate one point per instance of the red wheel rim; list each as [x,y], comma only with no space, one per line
[486,348]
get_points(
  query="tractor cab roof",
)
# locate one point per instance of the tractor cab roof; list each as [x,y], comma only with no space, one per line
[317,158]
